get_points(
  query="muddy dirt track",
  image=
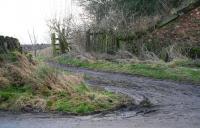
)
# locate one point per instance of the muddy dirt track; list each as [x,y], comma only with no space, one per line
[175,105]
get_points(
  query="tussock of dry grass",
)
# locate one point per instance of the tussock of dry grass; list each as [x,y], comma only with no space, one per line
[43,77]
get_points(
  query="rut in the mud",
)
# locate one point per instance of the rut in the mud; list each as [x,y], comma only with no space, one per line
[175,105]
[171,98]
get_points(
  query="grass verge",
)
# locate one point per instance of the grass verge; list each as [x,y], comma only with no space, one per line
[36,87]
[179,70]
[85,101]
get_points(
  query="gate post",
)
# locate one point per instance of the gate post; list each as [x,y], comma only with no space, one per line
[53,43]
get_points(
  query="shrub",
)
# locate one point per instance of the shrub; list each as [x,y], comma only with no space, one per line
[194,52]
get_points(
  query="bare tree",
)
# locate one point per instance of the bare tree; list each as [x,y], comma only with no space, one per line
[34,42]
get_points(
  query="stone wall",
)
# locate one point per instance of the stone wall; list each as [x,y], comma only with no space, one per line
[8,44]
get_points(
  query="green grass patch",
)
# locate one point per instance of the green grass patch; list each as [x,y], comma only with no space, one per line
[70,106]
[9,95]
[9,57]
[85,100]
[40,58]
[180,70]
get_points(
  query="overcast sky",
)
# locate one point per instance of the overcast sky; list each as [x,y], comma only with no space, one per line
[20,16]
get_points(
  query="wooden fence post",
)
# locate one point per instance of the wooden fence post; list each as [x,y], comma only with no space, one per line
[53,43]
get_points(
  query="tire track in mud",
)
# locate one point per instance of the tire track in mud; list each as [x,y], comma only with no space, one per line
[171,98]
[176,105]
[160,92]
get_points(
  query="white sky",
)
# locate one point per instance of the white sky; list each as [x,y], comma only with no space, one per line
[20,16]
